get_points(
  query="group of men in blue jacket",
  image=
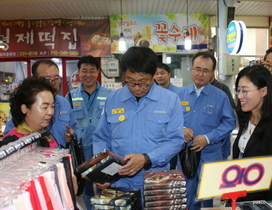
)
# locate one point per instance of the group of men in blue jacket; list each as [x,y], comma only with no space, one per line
[142,122]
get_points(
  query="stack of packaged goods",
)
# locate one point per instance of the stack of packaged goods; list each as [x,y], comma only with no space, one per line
[164,190]
[117,198]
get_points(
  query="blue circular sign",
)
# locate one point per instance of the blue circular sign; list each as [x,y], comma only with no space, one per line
[236,33]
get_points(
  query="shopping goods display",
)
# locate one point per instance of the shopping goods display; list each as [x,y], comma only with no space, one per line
[117,198]
[164,189]
[34,177]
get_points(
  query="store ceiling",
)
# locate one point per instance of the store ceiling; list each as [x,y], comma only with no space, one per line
[46,9]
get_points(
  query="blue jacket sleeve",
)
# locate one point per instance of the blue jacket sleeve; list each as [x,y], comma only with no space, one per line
[8,127]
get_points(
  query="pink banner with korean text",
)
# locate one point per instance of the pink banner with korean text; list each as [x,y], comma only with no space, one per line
[162,33]
[55,37]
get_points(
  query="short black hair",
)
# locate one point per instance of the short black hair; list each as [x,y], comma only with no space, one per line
[267,52]
[164,66]
[140,60]
[89,60]
[43,61]
[26,93]
[205,54]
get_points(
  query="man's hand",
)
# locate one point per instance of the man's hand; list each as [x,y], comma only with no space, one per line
[135,164]
[102,186]
[188,134]
[68,134]
[199,143]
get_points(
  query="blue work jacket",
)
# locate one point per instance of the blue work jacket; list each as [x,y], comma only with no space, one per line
[87,111]
[173,88]
[153,126]
[209,114]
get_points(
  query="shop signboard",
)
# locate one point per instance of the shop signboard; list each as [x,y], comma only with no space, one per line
[236,36]
[55,38]
[270,27]
[161,33]
[250,174]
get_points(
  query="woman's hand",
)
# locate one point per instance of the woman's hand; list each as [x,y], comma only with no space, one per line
[69,134]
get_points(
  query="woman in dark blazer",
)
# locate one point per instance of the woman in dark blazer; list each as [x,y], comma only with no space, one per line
[254,111]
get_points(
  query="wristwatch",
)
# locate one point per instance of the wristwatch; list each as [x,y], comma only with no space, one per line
[148,163]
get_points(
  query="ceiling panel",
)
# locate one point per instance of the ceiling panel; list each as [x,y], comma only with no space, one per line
[40,9]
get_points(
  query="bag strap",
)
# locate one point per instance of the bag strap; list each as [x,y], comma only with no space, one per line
[70,98]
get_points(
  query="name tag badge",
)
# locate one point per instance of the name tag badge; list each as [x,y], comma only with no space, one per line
[77,103]
[184,103]
[118,111]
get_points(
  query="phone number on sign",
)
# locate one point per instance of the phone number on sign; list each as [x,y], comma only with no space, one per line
[28,53]
[63,53]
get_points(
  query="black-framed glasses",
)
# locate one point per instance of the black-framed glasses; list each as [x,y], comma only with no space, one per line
[244,92]
[55,80]
[199,70]
[141,85]
[267,66]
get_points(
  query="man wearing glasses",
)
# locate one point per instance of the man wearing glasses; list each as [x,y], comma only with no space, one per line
[87,102]
[208,118]
[142,122]
[63,123]
[268,59]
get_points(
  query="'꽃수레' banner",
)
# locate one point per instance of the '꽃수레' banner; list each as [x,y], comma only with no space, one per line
[162,33]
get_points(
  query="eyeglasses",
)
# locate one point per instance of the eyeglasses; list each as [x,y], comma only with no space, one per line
[199,70]
[88,72]
[243,92]
[55,80]
[267,66]
[141,85]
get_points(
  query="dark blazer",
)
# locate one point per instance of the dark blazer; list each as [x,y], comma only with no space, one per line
[259,144]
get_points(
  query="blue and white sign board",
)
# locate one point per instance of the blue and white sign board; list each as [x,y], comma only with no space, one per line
[236,36]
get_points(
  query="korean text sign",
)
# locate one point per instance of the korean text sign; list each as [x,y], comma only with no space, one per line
[250,174]
[55,37]
[161,33]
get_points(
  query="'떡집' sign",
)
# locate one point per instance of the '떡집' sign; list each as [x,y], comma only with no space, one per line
[55,37]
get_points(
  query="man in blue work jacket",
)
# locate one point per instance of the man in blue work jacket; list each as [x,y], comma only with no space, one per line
[142,122]
[63,123]
[87,102]
[208,118]
[162,78]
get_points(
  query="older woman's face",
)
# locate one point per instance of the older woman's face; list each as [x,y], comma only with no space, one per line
[250,97]
[41,112]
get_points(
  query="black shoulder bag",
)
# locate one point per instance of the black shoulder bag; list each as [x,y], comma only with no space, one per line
[77,158]
[189,161]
